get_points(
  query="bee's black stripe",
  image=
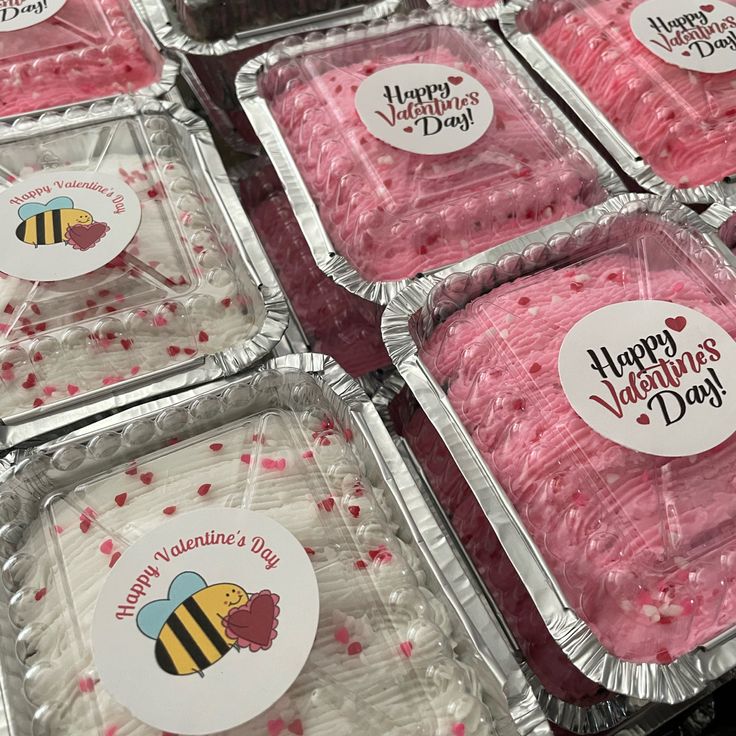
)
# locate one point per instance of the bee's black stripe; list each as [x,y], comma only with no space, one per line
[20,232]
[206,625]
[164,658]
[191,646]
[56,220]
[41,228]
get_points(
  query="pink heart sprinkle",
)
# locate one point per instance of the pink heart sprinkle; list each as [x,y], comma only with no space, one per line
[58,529]
[86,685]
[169,510]
[342,635]
[406,648]
[71,389]
[276,727]
[49,390]
[245,458]
[106,547]
[458,729]
[111,731]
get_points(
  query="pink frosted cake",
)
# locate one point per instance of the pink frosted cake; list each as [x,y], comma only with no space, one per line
[392,213]
[336,322]
[642,553]
[388,659]
[89,49]
[544,656]
[176,292]
[681,122]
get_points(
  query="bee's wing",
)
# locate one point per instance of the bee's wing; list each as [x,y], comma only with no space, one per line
[152,617]
[36,208]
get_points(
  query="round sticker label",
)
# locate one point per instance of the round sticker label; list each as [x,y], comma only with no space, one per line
[62,224]
[424,108]
[17,14]
[693,35]
[215,613]
[653,376]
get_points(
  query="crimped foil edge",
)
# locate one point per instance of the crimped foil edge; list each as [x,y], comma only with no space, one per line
[718,214]
[625,155]
[691,673]
[333,264]
[80,446]
[478,14]
[28,424]
[169,33]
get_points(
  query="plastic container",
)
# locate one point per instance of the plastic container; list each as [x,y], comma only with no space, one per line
[376,215]
[722,218]
[334,321]
[88,50]
[627,564]
[297,442]
[189,299]
[478,9]
[669,126]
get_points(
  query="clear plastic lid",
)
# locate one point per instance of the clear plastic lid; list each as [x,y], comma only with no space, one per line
[389,656]
[680,121]
[641,545]
[335,321]
[180,290]
[393,213]
[208,20]
[88,50]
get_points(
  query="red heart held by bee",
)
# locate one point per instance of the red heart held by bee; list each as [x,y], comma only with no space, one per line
[84,237]
[676,323]
[253,622]
[642,419]
[455,80]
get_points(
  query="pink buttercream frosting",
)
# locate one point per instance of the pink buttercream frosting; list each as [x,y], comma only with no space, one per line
[682,122]
[89,49]
[641,545]
[392,213]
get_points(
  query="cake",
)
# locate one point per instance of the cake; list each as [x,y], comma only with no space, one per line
[88,50]
[642,553]
[544,656]
[335,321]
[208,20]
[385,659]
[682,123]
[178,291]
[393,214]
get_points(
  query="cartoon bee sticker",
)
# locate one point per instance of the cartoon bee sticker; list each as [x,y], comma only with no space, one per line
[198,624]
[58,221]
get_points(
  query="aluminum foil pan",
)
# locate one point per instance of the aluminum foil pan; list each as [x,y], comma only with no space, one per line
[168,31]
[627,157]
[618,714]
[479,14]
[336,266]
[298,383]
[413,316]
[246,259]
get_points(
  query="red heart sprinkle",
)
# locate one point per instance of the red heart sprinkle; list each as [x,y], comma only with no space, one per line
[37,402]
[204,489]
[190,351]
[458,729]
[106,547]
[203,336]
[327,504]
[454,80]
[121,498]
[37,357]
[30,381]
[127,344]
[84,525]
[216,446]
[310,551]
[535,368]
[354,510]
[355,648]
[40,594]
[707,8]
[276,727]
[406,648]
[676,323]
[114,559]
[173,350]
[245,458]
[146,478]
[169,510]
[642,419]
[296,727]
[7,366]
[131,471]
[360,565]
[226,302]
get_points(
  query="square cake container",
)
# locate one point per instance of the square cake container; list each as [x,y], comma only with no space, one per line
[257,431]
[374,215]
[209,63]
[635,620]
[574,704]
[190,299]
[334,321]
[88,50]
[669,128]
